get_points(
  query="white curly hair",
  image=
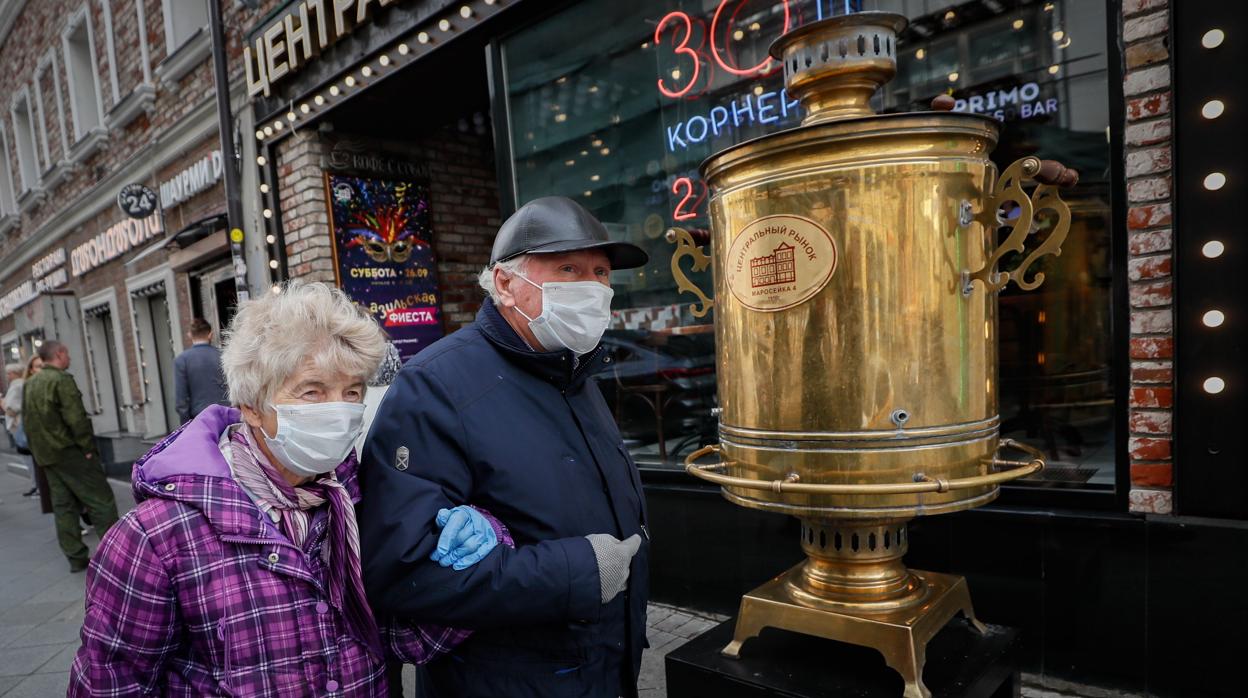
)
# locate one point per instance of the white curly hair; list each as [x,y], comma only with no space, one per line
[271,336]
[513,266]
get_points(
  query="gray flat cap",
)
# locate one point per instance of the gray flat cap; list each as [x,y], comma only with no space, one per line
[554,224]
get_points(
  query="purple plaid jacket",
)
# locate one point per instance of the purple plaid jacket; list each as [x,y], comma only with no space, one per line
[196,593]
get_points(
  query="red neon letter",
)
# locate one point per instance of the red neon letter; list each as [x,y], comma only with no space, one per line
[678,214]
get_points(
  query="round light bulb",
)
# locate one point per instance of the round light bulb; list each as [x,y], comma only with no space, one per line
[588,193]
[444,25]
[278,125]
[264,188]
[304,108]
[1018,24]
[366,71]
[1213,318]
[1213,38]
[465,12]
[261,161]
[319,100]
[267,213]
[1213,249]
[272,263]
[605,151]
[1215,181]
[953,77]
[276,289]
[350,81]
[1212,109]
[270,238]
[290,116]
[1214,385]
[384,60]
[1053,69]
[333,90]
[423,37]
[594,178]
[268,130]
[920,54]
[1059,35]
[259,135]
[404,49]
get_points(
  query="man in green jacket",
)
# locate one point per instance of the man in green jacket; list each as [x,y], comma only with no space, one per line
[63,445]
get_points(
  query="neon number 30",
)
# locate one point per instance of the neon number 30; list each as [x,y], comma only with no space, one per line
[682,47]
[680,214]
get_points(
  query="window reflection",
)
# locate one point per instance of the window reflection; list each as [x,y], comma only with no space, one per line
[621,122]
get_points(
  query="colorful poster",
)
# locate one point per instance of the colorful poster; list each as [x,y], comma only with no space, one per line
[383,255]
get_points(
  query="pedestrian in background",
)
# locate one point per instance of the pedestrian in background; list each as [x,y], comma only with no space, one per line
[12,403]
[63,444]
[197,378]
[238,572]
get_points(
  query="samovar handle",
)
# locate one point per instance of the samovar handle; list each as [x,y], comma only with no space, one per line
[1050,175]
[689,244]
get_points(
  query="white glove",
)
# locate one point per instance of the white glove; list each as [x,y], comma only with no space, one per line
[614,557]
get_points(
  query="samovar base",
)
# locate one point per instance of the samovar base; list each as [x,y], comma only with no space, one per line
[901,635]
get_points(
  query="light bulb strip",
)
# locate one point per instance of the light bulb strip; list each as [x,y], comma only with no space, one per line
[457,19]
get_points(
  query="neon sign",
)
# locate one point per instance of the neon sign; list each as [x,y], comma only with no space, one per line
[766,108]
[1019,102]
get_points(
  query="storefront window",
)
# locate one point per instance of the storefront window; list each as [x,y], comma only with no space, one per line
[621,121]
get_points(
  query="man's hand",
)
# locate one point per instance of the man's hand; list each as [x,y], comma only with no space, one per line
[466,538]
[614,558]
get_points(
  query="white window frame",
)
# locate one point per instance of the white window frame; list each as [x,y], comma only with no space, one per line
[167,11]
[8,194]
[28,187]
[153,423]
[84,139]
[108,297]
[56,171]
[185,57]
[142,98]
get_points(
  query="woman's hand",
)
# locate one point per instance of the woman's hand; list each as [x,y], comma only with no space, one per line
[467,537]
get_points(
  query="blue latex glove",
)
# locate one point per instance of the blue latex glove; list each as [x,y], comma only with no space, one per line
[466,538]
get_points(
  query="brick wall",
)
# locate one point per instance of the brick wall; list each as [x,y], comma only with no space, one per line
[463,202]
[1145,27]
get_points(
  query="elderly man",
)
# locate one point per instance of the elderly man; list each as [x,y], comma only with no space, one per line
[502,415]
[63,445]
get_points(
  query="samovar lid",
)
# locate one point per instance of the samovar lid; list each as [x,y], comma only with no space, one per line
[834,66]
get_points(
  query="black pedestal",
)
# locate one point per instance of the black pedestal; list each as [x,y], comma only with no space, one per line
[960,662]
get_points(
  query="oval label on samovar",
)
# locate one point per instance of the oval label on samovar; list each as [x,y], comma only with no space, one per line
[777,262]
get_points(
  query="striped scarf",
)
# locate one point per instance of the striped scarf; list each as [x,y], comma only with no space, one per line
[292,507]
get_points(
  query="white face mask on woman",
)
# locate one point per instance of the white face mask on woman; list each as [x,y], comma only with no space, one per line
[574,314]
[313,439]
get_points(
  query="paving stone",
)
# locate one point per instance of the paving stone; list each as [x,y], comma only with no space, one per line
[61,661]
[18,661]
[50,633]
[40,686]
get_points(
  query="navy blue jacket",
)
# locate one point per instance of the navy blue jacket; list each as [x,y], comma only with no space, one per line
[488,421]
[198,381]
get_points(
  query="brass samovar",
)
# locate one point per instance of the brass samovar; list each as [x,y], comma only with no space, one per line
[855,270]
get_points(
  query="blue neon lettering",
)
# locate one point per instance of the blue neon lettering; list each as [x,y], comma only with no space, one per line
[787,105]
[748,110]
[673,137]
[764,108]
[722,113]
[689,128]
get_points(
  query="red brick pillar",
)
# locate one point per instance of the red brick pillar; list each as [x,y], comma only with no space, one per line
[1145,24]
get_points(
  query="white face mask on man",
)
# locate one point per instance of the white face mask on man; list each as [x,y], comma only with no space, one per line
[574,314]
[313,439]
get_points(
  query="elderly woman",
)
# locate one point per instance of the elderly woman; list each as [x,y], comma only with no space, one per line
[238,573]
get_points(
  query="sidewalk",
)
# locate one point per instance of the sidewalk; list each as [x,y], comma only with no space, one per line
[41,603]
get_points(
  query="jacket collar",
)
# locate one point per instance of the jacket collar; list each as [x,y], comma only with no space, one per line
[558,367]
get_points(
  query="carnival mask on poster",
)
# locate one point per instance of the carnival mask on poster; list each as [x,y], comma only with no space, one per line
[378,251]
